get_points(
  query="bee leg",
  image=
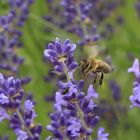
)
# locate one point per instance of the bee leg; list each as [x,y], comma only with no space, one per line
[101,79]
[85,76]
[95,77]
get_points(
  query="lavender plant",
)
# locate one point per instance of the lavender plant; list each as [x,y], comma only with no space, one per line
[81,18]
[20,116]
[10,32]
[74,116]
[77,107]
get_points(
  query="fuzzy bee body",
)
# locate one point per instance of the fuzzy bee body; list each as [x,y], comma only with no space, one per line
[101,66]
[95,66]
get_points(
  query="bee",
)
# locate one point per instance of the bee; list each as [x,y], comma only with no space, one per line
[95,66]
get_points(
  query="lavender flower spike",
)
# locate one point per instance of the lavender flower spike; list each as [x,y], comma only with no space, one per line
[74,116]
[135,98]
[66,122]
[58,52]
[10,31]
[21,118]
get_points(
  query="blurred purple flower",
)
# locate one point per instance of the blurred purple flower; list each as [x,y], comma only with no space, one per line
[135,98]
[10,32]
[101,135]
[135,68]
[79,17]
[116,92]
[21,135]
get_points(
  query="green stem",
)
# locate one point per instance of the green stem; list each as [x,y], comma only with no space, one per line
[81,115]
[66,71]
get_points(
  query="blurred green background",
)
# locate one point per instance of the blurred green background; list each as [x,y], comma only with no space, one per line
[126,40]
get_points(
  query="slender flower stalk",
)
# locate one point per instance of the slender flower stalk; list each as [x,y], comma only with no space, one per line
[79,14]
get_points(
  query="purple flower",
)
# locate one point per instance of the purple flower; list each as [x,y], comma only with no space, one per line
[74,116]
[3,114]
[24,118]
[78,17]
[21,117]
[10,32]
[29,105]
[1,76]
[10,92]
[116,91]
[66,121]
[59,101]
[59,52]
[92,93]
[3,99]
[61,56]
[135,98]
[21,135]
[74,127]
[135,68]
[101,135]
